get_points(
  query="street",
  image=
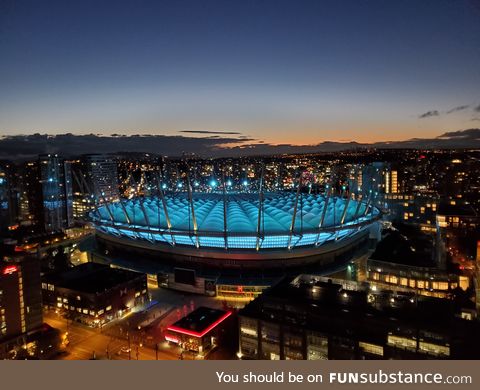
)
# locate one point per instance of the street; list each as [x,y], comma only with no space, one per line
[135,336]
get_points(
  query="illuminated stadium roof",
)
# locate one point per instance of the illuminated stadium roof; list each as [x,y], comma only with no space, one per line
[232,221]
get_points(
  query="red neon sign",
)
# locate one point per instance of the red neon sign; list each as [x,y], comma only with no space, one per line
[10,270]
[198,334]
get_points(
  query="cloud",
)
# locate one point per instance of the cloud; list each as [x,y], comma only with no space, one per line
[477,109]
[429,114]
[28,146]
[22,147]
[210,132]
[458,108]
[472,134]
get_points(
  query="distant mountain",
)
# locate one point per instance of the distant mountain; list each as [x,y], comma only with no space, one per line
[28,146]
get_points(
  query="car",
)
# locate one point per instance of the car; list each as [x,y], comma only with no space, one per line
[125,350]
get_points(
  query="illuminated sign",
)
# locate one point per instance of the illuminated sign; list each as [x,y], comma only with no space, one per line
[203,333]
[9,270]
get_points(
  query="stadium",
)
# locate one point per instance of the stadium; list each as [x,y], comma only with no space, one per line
[236,234]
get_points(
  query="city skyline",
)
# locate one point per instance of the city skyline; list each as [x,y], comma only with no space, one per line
[279,73]
[240,180]
[209,144]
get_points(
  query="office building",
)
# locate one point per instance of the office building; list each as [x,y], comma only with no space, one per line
[313,318]
[22,332]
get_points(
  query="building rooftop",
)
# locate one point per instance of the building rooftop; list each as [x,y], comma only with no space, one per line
[324,305]
[407,246]
[200,321]
[91,278]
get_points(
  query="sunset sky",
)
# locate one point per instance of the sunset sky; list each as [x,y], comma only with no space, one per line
[297,72]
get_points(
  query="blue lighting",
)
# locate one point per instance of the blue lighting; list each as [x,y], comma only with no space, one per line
[245,183]
[242,219]
[229,183]
[180,185]
[164,186]
[213,183]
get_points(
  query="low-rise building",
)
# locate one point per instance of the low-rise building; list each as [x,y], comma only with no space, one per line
[93,293]
[200,331]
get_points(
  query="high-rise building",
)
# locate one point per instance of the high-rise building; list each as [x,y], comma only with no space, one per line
[49,193]
[55,191]
[103,176]
[20,297]
[23,335]
[8,197]
[95,181]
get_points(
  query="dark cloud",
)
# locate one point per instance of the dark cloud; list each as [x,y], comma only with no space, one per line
[210,132]
[458,108]
[429,114]
[472,134]
[26,146]
[29,146]
[477,109]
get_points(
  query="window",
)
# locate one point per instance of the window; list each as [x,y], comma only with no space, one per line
[371,348]
[248,331]
[434,349]
[402,342]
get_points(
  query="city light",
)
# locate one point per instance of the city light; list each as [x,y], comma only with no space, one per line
[9,270]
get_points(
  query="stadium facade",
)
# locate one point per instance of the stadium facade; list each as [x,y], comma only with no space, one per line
[194,242]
